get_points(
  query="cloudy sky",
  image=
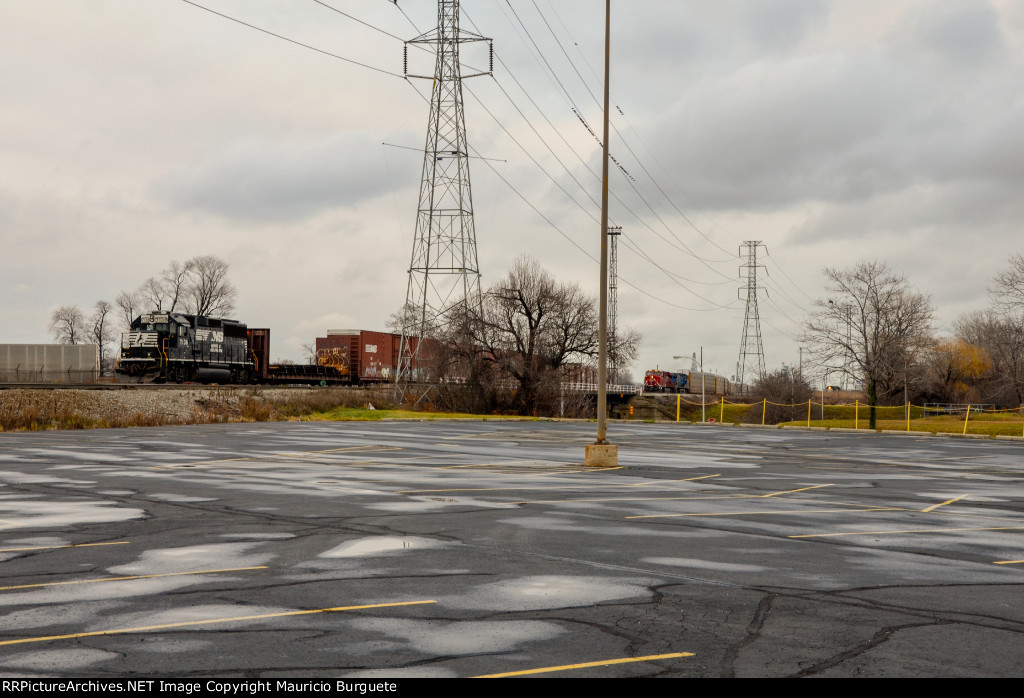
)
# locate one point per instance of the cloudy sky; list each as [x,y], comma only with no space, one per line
[133,133]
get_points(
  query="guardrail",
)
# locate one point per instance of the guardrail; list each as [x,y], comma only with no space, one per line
[934,409]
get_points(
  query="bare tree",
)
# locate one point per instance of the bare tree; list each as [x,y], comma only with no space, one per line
[785,396]
[175,281]
[152,294]
[872,323]
[101,329]
[67,323]
[1002,337]
[309,351]
[528,326]
[128,306]
[1007,287]
[209,292]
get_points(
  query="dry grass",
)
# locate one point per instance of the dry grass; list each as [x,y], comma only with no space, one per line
[58,409]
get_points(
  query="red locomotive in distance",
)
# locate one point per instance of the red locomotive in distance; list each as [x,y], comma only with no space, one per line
[692,382]
[665,382]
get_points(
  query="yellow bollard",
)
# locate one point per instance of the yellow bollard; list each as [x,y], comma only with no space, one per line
[764,408]
[967,418]
[679,399]
[856,414]
[721,413]
[908,416]
[808,411]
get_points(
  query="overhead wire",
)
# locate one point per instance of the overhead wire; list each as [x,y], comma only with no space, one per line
[638,160]
[706,262]
[569,171]
[788,277]
[292,41]
[622,138]
[500,176]
[569,238]
[673,277]
[596,176]
[356,19]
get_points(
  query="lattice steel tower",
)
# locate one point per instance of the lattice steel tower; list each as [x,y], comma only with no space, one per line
[613,302]
[444,272]
[751,348]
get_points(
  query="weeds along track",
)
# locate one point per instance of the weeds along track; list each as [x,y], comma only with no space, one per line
[72,407]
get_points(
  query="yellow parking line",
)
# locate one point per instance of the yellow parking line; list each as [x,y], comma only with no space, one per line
[917,530]
[802,489]
[138,576]
[567,667]
[662,482]
[59,547]
[1009,562]
[768,513]
[145,628]
[615,499]
[948,501]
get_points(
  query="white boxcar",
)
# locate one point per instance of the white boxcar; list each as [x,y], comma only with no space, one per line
[49,363]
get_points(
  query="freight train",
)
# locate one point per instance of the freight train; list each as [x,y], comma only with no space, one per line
[180,348]
[693,382]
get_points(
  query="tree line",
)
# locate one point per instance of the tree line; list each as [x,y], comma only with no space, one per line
[198,286]
[874,328]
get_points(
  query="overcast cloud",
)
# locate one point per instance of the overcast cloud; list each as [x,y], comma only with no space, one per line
[832,130]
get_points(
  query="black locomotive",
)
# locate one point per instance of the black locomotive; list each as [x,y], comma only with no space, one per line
[180,348]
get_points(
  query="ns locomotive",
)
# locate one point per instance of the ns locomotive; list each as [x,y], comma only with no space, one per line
[180,348]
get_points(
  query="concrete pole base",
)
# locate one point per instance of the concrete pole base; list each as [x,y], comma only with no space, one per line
[602,456]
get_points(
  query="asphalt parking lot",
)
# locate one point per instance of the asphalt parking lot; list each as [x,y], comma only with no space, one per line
[460,549]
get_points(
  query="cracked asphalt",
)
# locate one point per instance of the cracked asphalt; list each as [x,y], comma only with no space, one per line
[458,549]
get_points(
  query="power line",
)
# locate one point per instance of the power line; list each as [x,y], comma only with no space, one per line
[356,19]
[292,41]
[622,138]
[630,179]
[639,252]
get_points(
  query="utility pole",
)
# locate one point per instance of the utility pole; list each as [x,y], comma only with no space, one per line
[601,453]
[444,273]
[613,301]
[751,348]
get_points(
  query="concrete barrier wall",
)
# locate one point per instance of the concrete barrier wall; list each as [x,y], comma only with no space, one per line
[49,363]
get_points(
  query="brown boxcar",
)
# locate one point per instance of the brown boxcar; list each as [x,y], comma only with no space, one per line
[259,346]
[369,356]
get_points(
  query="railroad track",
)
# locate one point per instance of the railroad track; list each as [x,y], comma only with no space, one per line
[159,386]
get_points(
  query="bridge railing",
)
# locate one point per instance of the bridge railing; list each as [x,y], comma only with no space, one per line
[592,388]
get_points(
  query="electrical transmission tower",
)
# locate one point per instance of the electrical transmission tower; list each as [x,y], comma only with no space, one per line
[613,302]
[444,273]
[751,348]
